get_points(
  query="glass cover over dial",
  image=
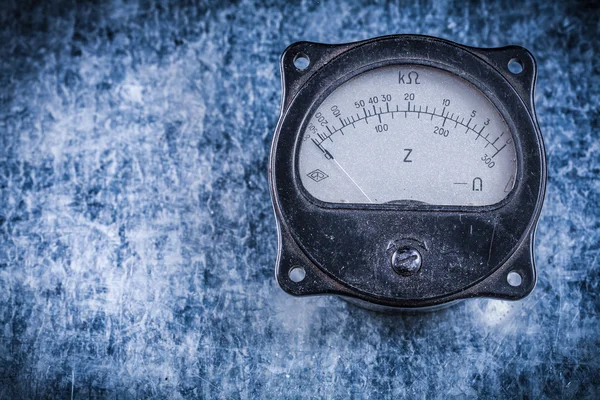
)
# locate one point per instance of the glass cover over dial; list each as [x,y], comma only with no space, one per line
[407,133]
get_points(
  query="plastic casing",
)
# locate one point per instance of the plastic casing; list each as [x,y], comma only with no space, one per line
[345,249]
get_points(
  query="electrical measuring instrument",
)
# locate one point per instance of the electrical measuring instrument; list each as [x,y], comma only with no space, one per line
[407,172]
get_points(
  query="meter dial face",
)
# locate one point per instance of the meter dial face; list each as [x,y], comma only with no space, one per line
[407,133]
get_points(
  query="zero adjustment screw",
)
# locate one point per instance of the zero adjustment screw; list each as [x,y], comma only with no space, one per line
[406,261]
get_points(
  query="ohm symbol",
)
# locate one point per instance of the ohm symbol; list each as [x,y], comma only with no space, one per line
[412,77]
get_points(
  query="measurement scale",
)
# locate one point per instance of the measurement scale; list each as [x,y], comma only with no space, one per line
[407,172]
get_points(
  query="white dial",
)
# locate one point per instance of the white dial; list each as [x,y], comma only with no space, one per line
[408,133]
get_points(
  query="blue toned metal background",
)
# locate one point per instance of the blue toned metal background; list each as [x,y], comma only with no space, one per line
[137,238]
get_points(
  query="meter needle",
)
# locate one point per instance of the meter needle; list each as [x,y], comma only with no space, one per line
[353,181]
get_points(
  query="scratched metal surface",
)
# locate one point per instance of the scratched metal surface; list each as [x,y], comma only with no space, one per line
[137,239]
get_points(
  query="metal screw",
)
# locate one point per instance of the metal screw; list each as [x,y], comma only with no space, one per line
[406,261]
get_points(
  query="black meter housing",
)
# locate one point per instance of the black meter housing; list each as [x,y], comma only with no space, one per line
[366,253]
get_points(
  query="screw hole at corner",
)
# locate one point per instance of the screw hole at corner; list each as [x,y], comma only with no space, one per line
[514,279]
[301,61]
[515,66]
[297,274]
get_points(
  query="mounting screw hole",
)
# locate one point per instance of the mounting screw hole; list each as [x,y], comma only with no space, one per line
[514,279]
[515,66]
[297,274]
[301,61]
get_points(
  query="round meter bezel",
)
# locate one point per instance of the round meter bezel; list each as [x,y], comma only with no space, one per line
[344,248]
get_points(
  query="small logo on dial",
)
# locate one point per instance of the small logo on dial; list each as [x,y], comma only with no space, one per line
[317,175]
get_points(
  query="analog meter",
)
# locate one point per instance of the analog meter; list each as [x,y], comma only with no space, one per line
[407,172]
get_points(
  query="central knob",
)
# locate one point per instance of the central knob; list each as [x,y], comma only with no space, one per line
[406,261]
